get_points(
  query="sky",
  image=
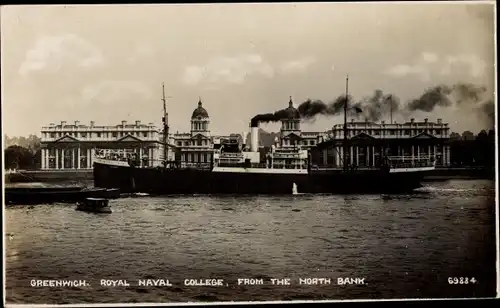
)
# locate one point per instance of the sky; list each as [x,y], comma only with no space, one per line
[107,63]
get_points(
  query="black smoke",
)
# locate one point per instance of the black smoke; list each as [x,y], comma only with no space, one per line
[370,108]
[445,96]
[382,105]
[377,106]
[487,111]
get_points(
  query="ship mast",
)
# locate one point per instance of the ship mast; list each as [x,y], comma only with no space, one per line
[346,148]
[165,127]
[390,103]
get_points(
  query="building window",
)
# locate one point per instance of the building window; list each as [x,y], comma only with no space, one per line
[145,134]
[84,135]
[115,134]
[52,135]
[98,135]
[179,143]
[311,142]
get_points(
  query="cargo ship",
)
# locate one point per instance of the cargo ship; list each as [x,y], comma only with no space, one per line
[236,170]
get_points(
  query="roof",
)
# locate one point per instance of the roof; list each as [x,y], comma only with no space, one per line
[199,112]
[291,112]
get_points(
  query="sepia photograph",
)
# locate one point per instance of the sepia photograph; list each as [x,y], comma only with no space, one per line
[249,152]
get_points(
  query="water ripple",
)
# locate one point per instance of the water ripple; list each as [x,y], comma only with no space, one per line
[405,246]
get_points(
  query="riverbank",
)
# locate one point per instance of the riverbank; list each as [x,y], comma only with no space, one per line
[74,175]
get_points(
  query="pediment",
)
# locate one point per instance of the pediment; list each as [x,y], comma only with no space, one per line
[129,138]
[293,136]
[67,138]
[199,137]
[423,136]
[363,136]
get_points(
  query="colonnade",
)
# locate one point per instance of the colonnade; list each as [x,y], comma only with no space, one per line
[82,158]
[372,152]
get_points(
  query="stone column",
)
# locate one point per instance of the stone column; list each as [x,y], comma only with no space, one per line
[412,154]
[92,153]
[42,160]
[57,158]
[339,157]
[73,152]
[357,155]
[352,154]
[435,154]
[447,155]
[373,156]
[79,157]
[418,151]
[140,156]
[62,160]
[429,153]
[88,158]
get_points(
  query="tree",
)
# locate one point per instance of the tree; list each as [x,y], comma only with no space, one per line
[468,135]
[18,157]
[455,136]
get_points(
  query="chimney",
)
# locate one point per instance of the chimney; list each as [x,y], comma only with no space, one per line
[412,120]
[440,121]
[92,123]
[77,123]
[52,124]
[124,123]
[150,124]
[63,123]
[137,123]
[426,120]
[254,138]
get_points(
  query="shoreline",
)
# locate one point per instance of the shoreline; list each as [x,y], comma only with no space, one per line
[53,176]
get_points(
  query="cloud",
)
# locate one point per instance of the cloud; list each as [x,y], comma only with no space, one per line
[297,65]
[227,69]
[421,69]
[473,63]
[404,70]
[51,53]
[110,92]
[430,64]
[142,51]
[429,57]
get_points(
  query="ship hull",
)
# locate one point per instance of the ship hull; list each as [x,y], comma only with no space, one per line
[185,181]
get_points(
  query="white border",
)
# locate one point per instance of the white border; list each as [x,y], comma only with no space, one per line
[275,302]
[496,151]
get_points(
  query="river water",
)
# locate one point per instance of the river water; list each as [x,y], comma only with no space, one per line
[404,246]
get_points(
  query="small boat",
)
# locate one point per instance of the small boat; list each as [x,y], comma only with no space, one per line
[95,205]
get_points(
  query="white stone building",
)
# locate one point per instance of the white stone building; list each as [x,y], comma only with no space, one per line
[72,146]
[367,139]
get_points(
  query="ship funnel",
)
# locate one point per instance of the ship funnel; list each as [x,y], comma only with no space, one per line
[254,138]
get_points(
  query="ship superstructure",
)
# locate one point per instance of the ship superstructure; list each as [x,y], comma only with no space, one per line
[236,167]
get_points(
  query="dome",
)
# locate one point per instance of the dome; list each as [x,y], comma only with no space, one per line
[199,112]
[291,112]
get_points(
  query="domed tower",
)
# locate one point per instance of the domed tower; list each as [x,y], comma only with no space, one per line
[290,123]
[200,121]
